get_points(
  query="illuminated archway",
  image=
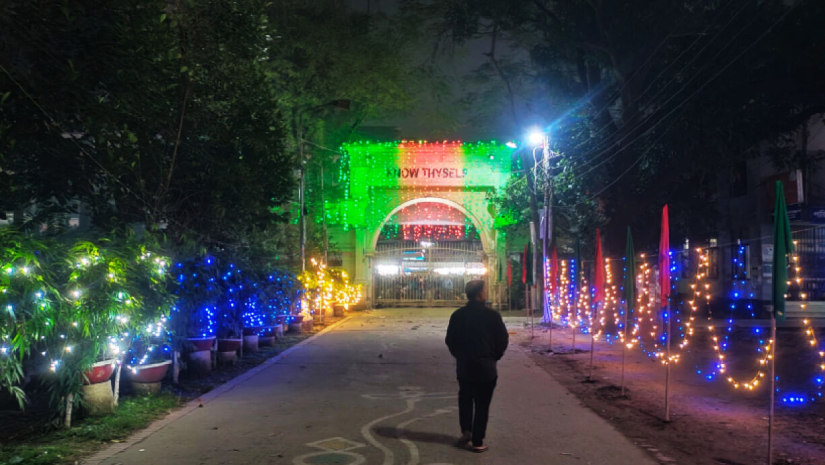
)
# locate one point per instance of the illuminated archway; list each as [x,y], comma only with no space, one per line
[486,240]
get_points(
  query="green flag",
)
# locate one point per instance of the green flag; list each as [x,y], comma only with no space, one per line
[579,265]
[629,292]
[782,246]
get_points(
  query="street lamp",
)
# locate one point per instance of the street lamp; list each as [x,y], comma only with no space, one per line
[542,141]
[536,137]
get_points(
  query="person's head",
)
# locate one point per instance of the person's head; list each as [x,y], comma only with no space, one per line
[476,290]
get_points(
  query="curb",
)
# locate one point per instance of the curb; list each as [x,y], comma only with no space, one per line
[195,404]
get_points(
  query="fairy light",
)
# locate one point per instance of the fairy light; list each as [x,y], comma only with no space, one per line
[809,331]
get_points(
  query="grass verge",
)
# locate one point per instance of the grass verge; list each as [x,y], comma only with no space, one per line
[57,447]
[66,446]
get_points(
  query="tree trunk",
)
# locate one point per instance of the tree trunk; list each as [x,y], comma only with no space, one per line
[116,392]
[67,420]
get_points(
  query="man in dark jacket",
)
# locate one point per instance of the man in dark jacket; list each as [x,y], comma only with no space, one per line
[477,338]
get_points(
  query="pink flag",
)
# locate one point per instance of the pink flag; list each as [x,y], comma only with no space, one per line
[664,258]
[598,275]
[554,272]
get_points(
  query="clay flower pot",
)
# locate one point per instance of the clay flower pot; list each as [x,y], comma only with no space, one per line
[202,343]
[338,310]
[152,373]
[296,323]
[200,359]
[252,330]
[228,350]
[229,345]
[146,379]
[267,331]
[100,372]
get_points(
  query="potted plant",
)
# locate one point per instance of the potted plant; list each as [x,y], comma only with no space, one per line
[229,343]
[197,287]
[149,362]
[267,336]
[115,292]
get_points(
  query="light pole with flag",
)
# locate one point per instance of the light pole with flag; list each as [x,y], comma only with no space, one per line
[629,291]
[664,293]
[598,297]
[782,246]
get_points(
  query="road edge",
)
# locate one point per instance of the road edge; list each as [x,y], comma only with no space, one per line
[189,407]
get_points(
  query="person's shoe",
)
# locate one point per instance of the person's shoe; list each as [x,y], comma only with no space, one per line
[479,449]
[466,436]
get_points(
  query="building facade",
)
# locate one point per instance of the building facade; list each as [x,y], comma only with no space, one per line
[415,220]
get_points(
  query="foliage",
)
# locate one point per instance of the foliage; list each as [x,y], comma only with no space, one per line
[29,296]
[219,296]
[57,447]
[67,306]
[323,287]
[147,112]
[647,102]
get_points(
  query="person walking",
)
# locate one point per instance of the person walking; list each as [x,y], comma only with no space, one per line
[477,338]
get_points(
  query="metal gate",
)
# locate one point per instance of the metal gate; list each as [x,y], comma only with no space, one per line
[425,272]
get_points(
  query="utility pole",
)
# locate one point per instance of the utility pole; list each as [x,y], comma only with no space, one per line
[324,218]
[302,199]
[548,238]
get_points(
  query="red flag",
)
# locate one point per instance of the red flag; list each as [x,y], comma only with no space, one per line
[509,272]
[598,275]
[524,265]
[664,258]
[554,272]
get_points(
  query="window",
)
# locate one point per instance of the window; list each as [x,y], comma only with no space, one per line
[810,247]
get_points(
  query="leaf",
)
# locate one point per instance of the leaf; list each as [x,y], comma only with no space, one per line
[163,17]
[183,69]
[5,96]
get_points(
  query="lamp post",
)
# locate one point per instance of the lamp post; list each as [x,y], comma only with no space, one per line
[542,141]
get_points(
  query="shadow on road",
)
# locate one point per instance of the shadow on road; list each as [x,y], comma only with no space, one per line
[417,436]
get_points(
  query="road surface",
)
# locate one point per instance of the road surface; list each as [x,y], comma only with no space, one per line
[379,389]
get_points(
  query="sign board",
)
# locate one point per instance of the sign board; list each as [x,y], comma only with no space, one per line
[767,253]
[816,214]
[792,184]
[795,213]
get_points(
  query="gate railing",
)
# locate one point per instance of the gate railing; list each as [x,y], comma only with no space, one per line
[425,273]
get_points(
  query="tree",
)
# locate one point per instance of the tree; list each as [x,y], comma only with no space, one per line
[649,101]
[149,112]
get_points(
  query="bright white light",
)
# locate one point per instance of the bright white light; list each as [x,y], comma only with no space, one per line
[512,145]
[536,137]
[387,270]
[453,270]
[426,244]
[460,270]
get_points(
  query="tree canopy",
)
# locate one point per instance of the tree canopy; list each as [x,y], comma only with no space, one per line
[647,102]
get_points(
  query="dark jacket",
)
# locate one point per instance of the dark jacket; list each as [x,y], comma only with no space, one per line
[477,338]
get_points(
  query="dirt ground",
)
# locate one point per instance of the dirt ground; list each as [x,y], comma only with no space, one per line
[711,422]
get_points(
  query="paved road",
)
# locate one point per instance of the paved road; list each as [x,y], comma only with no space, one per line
[380,389]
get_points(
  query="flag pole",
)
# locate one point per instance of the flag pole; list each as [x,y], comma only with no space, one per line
[667,363]
[773,388]
[629,292]
[624,345]
[592,343]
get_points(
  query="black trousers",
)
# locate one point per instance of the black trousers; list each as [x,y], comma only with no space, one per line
[474,407]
